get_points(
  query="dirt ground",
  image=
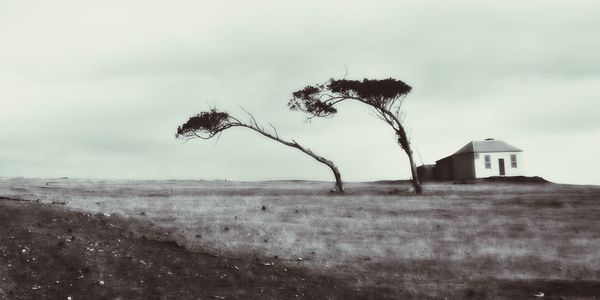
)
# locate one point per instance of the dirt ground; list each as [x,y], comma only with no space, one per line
[50,253]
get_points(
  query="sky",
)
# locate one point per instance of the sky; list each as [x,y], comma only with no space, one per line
[96,89]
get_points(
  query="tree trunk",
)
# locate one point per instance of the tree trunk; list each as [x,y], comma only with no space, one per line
[338,180]
[405,144]
[413,170]
[338,188]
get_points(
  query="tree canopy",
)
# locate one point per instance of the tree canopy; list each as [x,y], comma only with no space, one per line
[208,124]
[319,100]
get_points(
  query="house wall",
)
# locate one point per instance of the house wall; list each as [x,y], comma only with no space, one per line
[463,166]
[426,172]
[482,172]
[443,169]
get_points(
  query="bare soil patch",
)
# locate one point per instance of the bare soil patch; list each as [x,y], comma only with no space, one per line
[51,253]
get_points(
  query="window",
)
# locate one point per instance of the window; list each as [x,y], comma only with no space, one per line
[513,160]
[488,162]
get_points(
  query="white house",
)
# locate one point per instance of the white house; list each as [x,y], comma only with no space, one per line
[480,159]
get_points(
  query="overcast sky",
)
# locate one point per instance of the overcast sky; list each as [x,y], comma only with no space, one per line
[97,88]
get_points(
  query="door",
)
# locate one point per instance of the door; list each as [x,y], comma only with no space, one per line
[501,165]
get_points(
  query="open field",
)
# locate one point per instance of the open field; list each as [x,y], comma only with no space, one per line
[479,241]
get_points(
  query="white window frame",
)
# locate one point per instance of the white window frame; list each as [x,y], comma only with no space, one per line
[488,161]
[513,161]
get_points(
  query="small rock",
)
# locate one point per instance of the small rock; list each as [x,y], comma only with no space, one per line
[299,258]
[264,208]
[101,282]
[36,287]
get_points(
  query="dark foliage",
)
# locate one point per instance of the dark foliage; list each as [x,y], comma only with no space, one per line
[309,100]
[210,122]
[319,100]
[372,90]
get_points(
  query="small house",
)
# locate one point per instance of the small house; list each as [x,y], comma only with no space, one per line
[480,159]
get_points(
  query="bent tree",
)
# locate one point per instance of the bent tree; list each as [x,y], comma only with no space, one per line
[384,97]
[209,124]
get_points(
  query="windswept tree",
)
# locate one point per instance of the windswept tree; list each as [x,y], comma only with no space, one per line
[384,97]
[209,124]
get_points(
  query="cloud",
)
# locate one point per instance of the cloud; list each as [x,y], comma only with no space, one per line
[98,88]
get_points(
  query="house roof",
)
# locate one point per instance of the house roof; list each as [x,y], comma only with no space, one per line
[487,145]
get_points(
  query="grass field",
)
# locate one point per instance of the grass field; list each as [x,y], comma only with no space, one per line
[479,241]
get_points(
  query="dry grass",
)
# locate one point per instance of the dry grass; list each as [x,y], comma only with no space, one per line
[437,243]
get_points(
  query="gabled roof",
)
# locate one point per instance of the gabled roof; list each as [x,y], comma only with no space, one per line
[487,145]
